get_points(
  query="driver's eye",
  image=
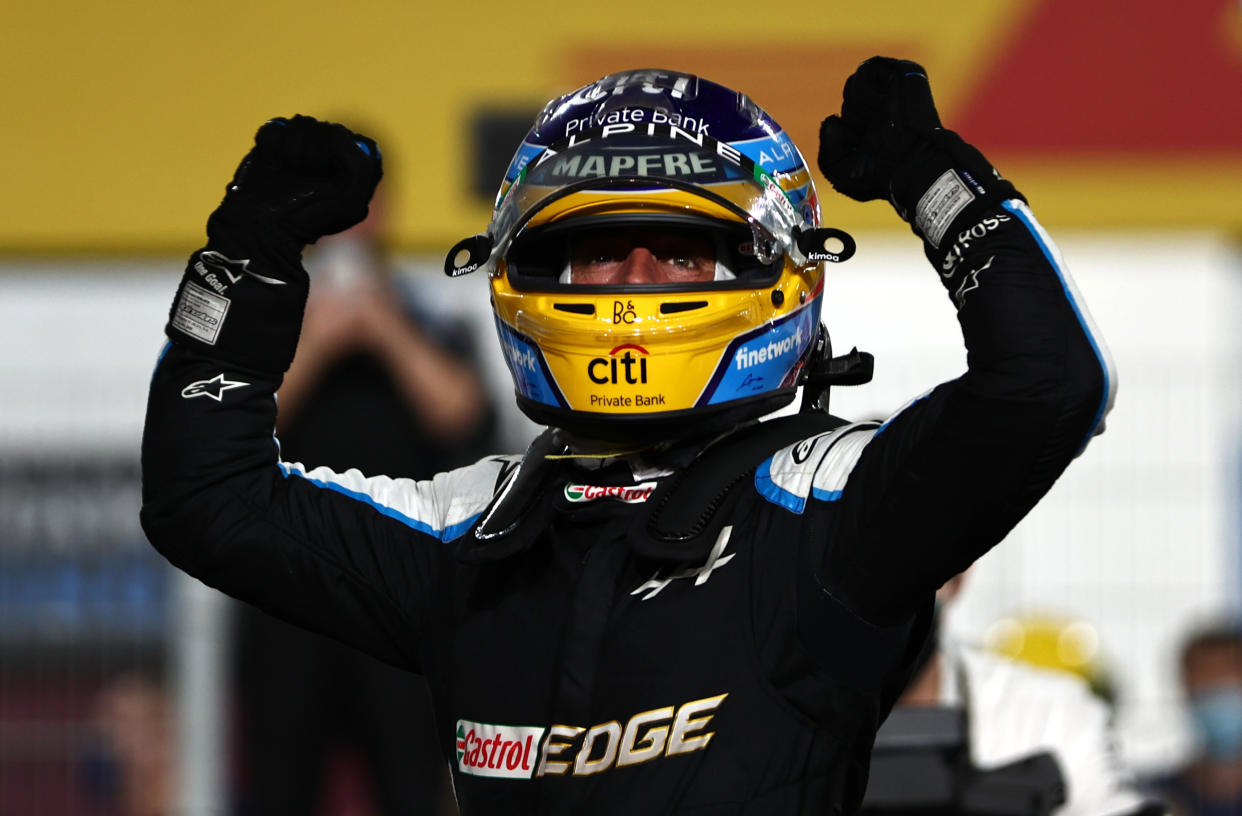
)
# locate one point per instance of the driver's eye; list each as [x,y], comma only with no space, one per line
[597,251]
[667,256]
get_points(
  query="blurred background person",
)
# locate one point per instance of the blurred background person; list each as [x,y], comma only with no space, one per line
[129,763]
[1210,784]
[382,382]
[1009,710]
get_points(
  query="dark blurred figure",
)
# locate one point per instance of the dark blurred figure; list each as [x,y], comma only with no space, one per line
[386,384]
[128,766]
[1211,670]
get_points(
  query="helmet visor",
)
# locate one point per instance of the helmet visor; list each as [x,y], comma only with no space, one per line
[646,171]
[649,250]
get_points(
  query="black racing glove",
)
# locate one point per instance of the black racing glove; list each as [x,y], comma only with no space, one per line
[888,143]
[242,295]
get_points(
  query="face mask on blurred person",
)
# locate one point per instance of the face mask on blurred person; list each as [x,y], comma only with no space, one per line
[1218,719]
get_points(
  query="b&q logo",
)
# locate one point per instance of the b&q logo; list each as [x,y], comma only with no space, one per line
[507,751]
[615,369]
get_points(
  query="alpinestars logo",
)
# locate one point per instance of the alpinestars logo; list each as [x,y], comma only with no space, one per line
[630,495]
[232,269]
[970,282]
[213,388]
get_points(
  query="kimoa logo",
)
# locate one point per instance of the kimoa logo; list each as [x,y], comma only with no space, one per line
[631,495]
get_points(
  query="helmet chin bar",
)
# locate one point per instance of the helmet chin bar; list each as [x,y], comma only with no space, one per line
[661,426]
[820,372]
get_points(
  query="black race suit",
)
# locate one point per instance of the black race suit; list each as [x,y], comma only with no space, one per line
[595,646]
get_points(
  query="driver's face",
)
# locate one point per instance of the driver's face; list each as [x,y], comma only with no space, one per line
[638,255]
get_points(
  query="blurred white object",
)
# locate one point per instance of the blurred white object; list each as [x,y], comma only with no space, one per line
[1015,709]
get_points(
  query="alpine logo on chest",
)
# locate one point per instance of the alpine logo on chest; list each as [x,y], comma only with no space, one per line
[715,560]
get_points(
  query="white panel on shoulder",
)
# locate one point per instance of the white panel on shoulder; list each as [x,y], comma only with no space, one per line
[444,506]
[815,468]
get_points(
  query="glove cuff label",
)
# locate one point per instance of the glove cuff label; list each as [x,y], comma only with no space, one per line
[200,313]
[940,205]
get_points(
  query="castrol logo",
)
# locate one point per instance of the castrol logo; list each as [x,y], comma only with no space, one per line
[504,751]
[630,495]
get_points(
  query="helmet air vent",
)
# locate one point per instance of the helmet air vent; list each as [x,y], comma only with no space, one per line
[575,308]
[683,306]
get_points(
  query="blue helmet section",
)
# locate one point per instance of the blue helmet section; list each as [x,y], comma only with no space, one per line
[764,359]
[691,103]
[526,363]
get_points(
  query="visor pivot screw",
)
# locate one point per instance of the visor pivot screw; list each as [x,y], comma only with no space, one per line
[778,297]
[802,296]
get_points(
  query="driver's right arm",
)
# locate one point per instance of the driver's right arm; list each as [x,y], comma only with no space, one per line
[346,556]
[350,557]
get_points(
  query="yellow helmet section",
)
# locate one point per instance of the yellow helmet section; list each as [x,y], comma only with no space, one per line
[635,352]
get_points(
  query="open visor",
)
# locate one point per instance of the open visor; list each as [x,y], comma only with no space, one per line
[644,173]
[549,256]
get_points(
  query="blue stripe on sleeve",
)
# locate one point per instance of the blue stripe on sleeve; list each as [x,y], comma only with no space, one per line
[448,534]
[163,353]
[1023,214]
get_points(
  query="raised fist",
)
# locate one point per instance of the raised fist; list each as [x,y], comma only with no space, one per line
[888,143]
[886,109]
[304,177]
[242,295]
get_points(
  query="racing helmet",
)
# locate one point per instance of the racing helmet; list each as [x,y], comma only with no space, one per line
[656,152]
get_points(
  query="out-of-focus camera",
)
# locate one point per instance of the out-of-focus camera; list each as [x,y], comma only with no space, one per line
[921,765]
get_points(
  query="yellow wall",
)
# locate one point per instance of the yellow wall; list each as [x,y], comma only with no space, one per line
[124,120]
